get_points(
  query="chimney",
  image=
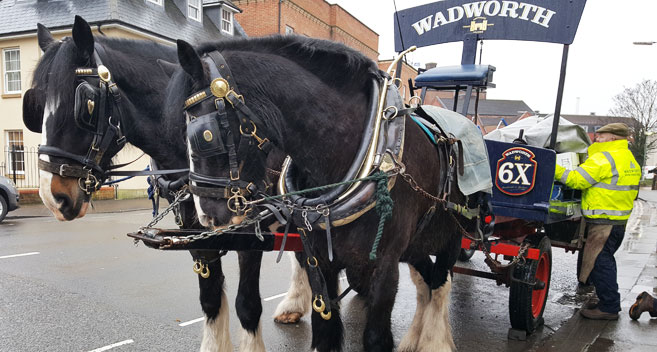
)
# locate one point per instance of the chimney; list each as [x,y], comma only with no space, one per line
[430,65]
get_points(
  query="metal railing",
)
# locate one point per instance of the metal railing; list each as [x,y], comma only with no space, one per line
[21,166]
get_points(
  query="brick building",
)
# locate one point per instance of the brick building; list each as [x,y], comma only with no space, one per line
[312,18]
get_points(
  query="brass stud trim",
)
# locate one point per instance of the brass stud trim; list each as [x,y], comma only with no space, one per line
[219,87]
[207,135]
[195,99]
[83,71]
[104,73]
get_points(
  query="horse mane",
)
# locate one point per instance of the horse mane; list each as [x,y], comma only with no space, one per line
[334,63]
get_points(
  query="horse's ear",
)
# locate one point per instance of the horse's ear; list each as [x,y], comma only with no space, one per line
[168,67]
[33,110]
[44,37]
[189,60]
[83,38]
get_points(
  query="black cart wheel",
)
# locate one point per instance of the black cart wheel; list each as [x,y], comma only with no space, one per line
[466,254]
[527,302]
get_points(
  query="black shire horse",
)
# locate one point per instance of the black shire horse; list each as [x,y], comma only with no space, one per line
[311,99]
[49,109]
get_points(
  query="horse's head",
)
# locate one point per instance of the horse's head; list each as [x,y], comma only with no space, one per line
[71,103]
[227,155]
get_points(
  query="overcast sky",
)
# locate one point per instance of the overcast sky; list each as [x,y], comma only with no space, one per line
[602,59]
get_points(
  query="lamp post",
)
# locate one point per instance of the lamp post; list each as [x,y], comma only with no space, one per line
[645,152]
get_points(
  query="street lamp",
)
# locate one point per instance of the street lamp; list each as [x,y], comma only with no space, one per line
[645,151]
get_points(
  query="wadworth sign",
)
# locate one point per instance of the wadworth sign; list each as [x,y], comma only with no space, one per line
[553,21]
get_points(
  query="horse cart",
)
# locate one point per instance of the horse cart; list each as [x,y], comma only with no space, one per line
[526,213]
[529,212]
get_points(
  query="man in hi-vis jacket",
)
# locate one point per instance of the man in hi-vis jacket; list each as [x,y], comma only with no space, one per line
[609,180]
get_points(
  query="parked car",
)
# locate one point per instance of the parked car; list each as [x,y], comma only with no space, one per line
[8,197]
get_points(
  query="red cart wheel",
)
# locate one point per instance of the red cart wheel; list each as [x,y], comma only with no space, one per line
[527,302]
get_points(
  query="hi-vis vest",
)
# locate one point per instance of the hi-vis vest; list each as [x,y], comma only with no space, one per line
[609,179]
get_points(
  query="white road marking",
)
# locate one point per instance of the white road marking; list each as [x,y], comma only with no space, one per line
[274,297]
[109,347]
[198,320]
[19,255]
[271,298]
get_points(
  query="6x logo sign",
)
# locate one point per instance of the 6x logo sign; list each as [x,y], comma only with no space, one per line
[516,171]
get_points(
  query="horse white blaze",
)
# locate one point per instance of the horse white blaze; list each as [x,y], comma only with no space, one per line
[203,218]
[299,295]
[436,333]
[250,342]
[216,333]
[45,178]
[412,337]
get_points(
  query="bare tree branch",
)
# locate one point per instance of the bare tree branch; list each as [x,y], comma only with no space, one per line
[639,103]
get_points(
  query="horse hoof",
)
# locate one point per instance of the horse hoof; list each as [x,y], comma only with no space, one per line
[288,318]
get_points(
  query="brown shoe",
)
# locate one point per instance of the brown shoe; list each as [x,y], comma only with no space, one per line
[591,303]
[644,303]
[597,314]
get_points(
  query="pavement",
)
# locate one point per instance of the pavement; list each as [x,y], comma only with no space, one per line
[637,272]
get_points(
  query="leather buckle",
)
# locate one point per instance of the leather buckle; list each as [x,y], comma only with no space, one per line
[232,95]
[61,169]
[234,178]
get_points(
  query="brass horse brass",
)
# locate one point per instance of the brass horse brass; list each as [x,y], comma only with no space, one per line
[90,106]
[219,87]
[104,73]
[207,135]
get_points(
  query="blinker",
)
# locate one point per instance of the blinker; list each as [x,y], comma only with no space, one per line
[204,136]
[85,106]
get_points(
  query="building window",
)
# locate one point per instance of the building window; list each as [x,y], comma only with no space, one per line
[289,30]
[158,2]
[15,152]
[194,9]
[226,21]
[12,70]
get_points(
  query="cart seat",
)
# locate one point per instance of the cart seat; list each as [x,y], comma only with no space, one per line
[477,76]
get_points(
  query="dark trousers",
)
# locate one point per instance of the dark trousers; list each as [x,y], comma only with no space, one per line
[604,274]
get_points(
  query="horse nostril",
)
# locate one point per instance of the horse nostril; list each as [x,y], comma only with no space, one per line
[63,201]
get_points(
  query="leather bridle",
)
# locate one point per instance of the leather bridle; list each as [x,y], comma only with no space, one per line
[101,118]
[87,168]
[210,135]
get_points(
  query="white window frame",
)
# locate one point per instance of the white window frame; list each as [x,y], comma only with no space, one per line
[10,164]
[230,21]
[198,8]
[157,2]
[5,72]
[289,30]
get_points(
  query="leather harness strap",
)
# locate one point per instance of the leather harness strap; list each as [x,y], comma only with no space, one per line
[107,130]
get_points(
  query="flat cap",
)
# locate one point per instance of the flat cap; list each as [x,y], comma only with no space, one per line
[617,128]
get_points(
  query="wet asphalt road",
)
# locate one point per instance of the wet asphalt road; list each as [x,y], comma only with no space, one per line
[90,287]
